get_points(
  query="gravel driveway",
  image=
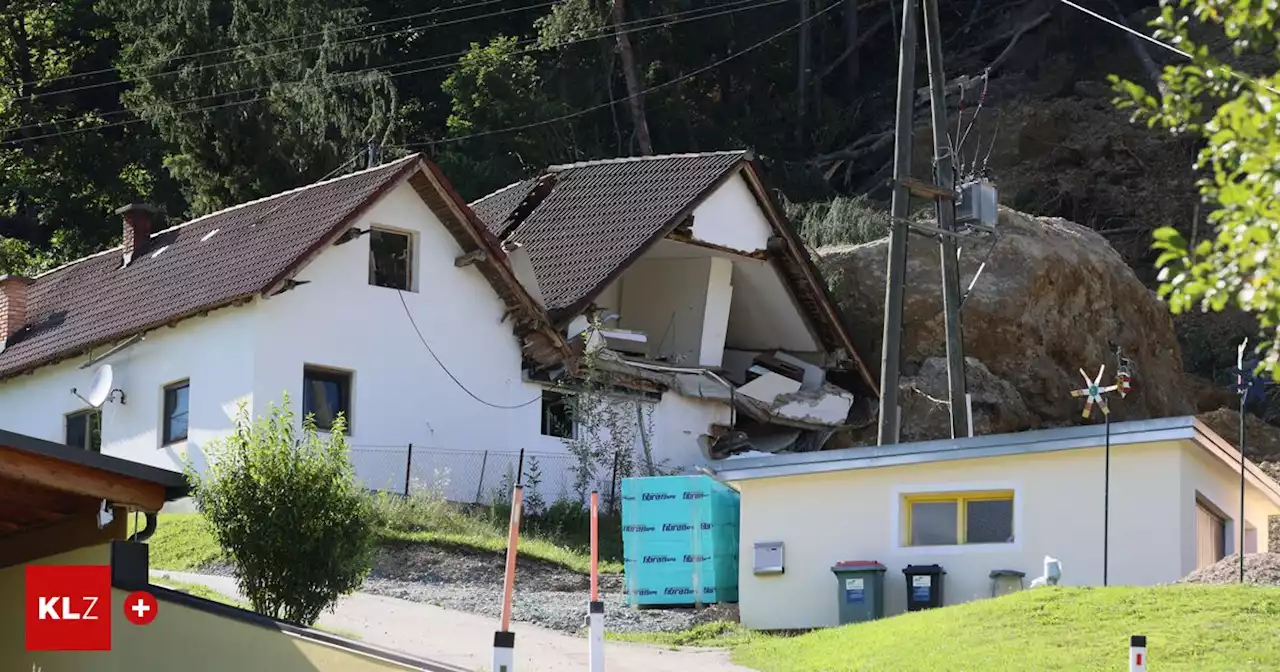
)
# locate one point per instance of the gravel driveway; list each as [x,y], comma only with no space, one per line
[466,640]
[546,595]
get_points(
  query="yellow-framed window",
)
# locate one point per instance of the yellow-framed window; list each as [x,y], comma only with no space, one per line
[956,518]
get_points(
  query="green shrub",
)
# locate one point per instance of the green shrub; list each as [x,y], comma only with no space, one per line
[295,524]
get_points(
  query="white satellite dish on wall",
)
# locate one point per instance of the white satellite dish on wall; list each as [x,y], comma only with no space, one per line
[100,389]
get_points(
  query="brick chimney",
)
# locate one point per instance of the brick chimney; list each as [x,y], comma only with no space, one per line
[13,305]
[137,229]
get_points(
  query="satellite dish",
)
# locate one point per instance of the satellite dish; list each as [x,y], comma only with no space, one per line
[100,388]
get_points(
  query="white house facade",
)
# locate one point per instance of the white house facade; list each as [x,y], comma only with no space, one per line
[405,314]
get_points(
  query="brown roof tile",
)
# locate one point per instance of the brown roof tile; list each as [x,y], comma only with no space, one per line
[203,264]
[601,214]
[494,208]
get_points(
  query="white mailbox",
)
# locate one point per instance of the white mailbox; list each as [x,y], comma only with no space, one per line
[768,558]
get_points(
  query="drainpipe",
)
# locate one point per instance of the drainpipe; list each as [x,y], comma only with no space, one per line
[146,532]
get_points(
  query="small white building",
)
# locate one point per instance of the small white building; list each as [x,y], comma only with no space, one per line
[999,502]
[382,296]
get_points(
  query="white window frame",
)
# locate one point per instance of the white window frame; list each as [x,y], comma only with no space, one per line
[413,255]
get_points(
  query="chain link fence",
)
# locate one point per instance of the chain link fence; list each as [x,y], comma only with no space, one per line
[468,476]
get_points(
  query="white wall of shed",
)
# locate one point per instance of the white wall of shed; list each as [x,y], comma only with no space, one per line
[857,515]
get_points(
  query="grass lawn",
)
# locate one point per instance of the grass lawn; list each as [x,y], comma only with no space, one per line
[1188,627]
[183,541]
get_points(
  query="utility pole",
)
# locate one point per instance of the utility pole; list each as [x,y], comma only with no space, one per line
[943,192]
[896,269]
[946,208]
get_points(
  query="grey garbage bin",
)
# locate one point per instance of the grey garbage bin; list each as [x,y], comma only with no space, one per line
[861,590]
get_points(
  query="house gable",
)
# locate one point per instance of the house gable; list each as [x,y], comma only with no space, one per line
[586,224]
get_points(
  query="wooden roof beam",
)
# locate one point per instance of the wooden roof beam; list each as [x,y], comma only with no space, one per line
[52,474]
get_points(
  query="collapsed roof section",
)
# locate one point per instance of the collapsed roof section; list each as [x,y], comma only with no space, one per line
[696,283]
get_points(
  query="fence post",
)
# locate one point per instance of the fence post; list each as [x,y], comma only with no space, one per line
[613,484]
[408,469]
[484,461]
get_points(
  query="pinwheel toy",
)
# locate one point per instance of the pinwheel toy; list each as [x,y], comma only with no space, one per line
[1093,391]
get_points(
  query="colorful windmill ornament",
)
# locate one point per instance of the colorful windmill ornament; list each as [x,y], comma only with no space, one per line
[1124,377]
[1093,391]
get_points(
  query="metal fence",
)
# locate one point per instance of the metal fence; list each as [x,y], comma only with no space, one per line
[466,476]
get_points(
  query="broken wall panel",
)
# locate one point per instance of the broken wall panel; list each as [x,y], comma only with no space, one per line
[731,218]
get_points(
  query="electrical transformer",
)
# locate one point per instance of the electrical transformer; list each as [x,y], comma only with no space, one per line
[977,206]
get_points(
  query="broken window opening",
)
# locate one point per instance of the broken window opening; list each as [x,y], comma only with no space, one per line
[557,415]
[390,260]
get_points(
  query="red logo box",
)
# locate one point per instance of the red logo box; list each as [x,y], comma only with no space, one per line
[68,607]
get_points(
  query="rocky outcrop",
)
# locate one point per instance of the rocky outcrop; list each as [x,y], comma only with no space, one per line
[1052,298]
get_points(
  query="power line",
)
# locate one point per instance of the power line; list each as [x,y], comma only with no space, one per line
[295,50]
[579,113]
[754,4]
[603,33]
[224,50]
[446,369]
[1169,47]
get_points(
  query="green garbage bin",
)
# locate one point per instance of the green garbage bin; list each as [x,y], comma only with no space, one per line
[861,586]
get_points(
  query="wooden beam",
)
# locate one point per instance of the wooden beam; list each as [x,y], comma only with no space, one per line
[72,533]
[68,477]
[926,190]
[471,258]
[22,494]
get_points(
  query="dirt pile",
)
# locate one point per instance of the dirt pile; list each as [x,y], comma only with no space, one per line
[1263,568]
[1262,440]
[1052,298]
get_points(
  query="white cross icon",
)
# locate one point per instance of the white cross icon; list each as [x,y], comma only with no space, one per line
[141,608]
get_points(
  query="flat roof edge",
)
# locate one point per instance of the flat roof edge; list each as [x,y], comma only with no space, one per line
[993,445]
[174,482]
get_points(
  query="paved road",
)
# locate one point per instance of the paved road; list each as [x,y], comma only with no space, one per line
[466,639]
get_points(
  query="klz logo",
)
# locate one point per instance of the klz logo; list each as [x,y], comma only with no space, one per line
[68,608]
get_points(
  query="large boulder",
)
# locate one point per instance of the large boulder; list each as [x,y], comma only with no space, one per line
[1051,300]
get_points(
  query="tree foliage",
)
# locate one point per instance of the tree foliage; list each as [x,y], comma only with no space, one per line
[295,524]
[1236,114]
[253,97]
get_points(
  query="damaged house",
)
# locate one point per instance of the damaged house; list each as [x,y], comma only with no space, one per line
[697,286]
[439,330]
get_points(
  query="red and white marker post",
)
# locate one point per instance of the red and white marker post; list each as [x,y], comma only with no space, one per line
[1138,653]
[595,608]
[504,641]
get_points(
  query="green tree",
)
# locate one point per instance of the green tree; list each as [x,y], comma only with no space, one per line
[295,524]
[1237,116]
[254,97]
[495,86]
[67,161]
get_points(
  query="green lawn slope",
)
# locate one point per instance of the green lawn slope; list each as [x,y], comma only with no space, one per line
[184,543]
[1188,628]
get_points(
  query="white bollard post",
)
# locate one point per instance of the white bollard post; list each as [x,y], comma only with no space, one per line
[1138,653]
[595,647]
[504,651]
